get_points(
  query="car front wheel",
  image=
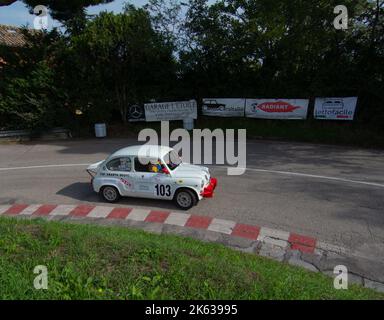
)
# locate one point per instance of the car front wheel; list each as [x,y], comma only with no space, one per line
[110,194]
[185,199]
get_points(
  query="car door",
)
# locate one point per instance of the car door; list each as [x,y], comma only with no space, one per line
[119,172]
[151,183]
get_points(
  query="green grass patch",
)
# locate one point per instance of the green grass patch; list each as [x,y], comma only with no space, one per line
[95,262]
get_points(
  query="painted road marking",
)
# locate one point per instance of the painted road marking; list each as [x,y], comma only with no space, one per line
[307,175]
[4,208]
[273,236]
[81,211]
[272,233]
[100,212]
[15,209]
[290,173]
[31,209]
[62,210]
[138,214]
[246,231]
[222,226]
[330,247]
[157,216]
[119,213]
[302,243]
[45,210]
[200,222]
[177,219]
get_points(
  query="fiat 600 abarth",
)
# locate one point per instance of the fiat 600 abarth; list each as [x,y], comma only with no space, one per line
[150,171]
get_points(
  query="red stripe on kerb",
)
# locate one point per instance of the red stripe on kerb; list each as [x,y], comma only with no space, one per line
[119,213]
[45,210]
[302,243]
[81,210]
[157,216]
[199,222]
[16,209]
[246,231]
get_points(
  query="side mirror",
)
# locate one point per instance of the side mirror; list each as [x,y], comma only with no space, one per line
[165,170]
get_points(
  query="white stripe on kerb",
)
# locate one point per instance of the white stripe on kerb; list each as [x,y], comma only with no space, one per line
[222,226]
[30,209]
[177,219]
[138,214]
[62,210]
[4,208]
[100,212]
[272,233]
[330,247]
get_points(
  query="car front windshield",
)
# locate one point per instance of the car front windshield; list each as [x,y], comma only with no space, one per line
[172,160]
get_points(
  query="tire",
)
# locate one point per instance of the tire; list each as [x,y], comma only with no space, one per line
[110,194]
[185,199]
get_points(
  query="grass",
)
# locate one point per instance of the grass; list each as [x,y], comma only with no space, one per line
[95,262]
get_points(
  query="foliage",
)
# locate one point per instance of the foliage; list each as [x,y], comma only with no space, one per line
[30,97]
[119,60]
[174,50]
[28,100]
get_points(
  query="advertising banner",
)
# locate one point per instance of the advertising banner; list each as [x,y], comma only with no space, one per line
[220,107]
[277,108]
[335,108]
[164,111]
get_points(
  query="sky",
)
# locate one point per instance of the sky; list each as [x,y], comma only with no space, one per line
[17,14]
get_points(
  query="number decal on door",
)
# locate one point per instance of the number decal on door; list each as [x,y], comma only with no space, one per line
[163,190]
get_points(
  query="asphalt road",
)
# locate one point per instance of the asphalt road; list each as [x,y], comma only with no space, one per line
[335,194]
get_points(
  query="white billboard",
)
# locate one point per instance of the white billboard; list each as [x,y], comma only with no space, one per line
[163,111]
[335,108]
[277,108]
[223,107]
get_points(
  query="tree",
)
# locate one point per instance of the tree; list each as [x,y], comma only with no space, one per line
[120,60]
[30,96]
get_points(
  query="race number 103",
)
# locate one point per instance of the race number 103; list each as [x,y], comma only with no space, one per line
[213,309]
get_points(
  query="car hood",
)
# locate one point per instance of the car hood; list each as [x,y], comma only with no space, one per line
[187,170]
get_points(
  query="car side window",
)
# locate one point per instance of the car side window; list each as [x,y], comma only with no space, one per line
[147,166]
[120,164]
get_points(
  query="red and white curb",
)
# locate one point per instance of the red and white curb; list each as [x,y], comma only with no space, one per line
[276,237]
[276,244]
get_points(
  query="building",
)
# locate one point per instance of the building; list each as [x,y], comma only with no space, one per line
[10,38]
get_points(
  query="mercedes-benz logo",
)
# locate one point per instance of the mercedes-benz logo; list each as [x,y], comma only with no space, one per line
[135,111]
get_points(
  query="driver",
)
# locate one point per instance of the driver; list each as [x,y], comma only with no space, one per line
[155,167]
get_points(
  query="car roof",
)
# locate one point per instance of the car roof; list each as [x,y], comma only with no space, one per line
[145,149]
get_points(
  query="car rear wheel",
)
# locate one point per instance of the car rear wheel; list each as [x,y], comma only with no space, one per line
[110,194]
[185,199]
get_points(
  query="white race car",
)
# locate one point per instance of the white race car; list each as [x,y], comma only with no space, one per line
[150,171]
